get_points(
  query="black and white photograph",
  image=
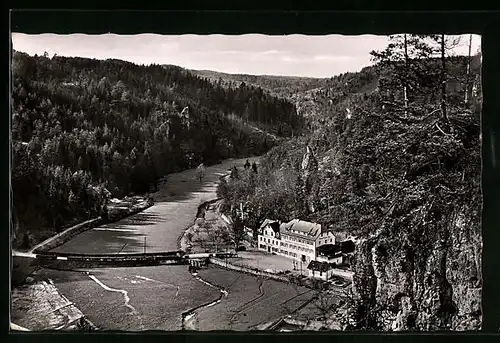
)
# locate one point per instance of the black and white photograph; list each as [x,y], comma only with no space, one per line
[246,182]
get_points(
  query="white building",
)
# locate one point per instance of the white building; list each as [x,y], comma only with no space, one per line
[296,239]
[269,238]
[326,238]
[299,240]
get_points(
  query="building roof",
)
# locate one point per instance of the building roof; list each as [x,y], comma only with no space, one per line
[329,249]
[267,222]
[274,224]
[305,229]
[319,266]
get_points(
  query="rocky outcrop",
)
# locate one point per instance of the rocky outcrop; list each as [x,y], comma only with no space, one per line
[310,179]
[438,288]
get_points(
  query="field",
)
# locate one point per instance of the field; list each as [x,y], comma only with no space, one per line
[250,301]
[134,299]
[154,298]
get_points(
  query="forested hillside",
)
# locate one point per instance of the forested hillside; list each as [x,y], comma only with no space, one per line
[394,161]
[316,99]
[84,130]
[284,86]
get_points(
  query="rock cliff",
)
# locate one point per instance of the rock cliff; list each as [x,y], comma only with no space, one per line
[408,289]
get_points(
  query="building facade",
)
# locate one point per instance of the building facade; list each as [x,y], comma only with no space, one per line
[269,238]
[299,240]
[296,239]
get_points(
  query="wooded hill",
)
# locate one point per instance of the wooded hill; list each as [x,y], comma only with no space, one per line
[284,86]
[83,127]
[402,176]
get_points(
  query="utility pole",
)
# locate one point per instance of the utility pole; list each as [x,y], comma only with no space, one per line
[144,244]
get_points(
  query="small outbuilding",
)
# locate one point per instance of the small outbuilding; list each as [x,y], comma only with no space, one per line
[321,270]
[330,253]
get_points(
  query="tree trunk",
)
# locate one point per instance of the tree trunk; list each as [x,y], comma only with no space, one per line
[443,80]
[405,85]
[468,73]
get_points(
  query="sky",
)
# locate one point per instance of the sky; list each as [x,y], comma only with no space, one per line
[256,54]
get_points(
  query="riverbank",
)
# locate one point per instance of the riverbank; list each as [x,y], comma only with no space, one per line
[184,242]
[189,318]
[117,209]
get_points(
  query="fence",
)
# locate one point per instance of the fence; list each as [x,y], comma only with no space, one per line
[249,270]
[290,278]
[343,273]
[73,262]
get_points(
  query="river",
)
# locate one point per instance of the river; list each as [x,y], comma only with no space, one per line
[158,227]
[156,298]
